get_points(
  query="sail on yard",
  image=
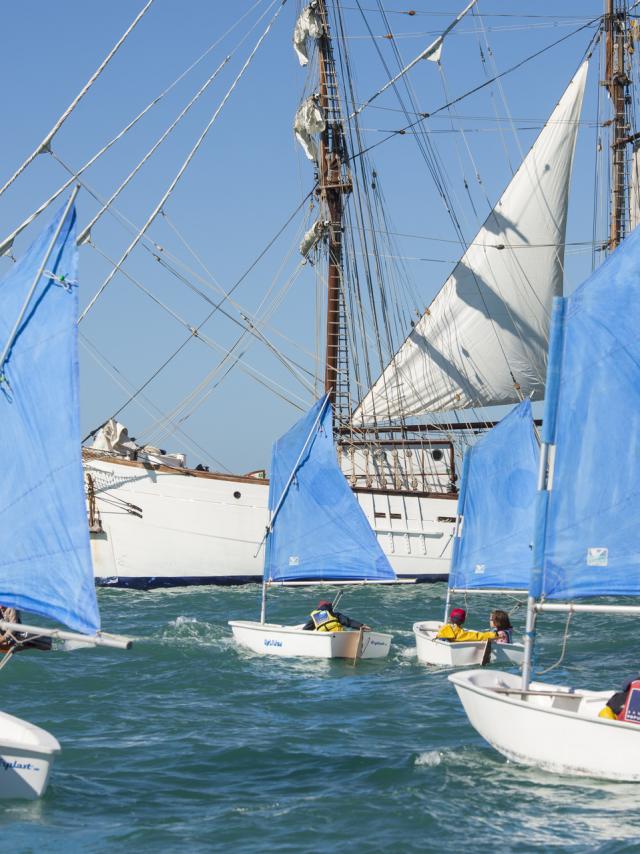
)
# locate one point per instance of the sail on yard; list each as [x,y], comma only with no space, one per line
[317,532]
[492,549]
[45,558]
[587,534]
[483,340]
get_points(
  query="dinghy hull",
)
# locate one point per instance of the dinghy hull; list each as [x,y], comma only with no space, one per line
[26,757]
[556,729]
[294,642]
[462,654]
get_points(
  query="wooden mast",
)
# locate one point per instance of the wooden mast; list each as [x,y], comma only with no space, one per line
[333,183]
[617,83]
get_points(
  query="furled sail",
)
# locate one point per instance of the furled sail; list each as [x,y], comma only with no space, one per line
[496,506]
[45,557]
[308,26]
[588,520]
[313,236]
[318,529]
[483,340]
[308,122]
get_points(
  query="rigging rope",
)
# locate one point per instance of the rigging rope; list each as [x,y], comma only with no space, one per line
[191,336]
[425,116]
[6,244]
[86,231]
[44,145]
[183,168]
[118,377]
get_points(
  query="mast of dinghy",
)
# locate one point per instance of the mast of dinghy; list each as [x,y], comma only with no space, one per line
[545,481]
[333,184]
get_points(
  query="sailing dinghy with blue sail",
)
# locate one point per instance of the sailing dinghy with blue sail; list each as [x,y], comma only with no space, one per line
[494,531]
[45,557]
[587,532]
[317,533]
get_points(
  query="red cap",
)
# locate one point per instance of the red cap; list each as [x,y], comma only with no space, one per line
[325,603]
[458,615]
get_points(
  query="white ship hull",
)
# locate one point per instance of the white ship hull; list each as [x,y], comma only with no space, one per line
[164,527]
[26,756]
[554,727]
[294,642]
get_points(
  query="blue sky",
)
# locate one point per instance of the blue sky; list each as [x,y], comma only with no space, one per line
[250,176]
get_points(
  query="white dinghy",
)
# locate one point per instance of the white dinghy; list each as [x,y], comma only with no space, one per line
[494,530]
[45,558]
[321,535]
[553,727]
[587,534]
[434,650]
[288,641]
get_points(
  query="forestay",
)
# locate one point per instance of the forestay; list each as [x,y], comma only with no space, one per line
[486,331]
[497,506]
[319,531]
[588,528]
[45,559]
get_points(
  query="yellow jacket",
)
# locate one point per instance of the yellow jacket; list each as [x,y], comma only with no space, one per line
[608,713]
[457,633]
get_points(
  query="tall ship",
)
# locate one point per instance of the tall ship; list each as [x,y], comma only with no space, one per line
[412,381]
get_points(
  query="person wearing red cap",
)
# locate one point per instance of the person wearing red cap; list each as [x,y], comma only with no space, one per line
[454,631]
[325,619]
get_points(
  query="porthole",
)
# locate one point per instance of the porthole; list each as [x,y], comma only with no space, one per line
[237,494]
[436,455]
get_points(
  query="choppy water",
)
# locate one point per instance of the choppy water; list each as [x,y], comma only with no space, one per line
[188,743]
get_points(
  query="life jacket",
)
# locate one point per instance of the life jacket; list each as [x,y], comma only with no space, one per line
[508,633]
[325,621]
[631,709]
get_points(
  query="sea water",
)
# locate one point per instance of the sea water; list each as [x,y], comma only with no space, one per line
[188,743]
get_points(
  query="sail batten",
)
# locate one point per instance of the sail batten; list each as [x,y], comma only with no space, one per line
[483,340]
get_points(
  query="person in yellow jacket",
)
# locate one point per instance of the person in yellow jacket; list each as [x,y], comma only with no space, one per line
[325,619]
[454,631]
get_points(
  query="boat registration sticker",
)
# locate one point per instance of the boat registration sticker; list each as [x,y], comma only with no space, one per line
[597,557]
[294,560]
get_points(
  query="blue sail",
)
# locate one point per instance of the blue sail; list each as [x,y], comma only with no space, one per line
[497,506]
[588,523]
[45,559]
[319,530]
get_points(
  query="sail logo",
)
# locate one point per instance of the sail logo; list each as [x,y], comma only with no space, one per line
[272,642]
[294,560]
[597,557]
[479,568]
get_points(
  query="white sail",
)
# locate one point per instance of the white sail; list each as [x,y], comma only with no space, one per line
[483,339]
